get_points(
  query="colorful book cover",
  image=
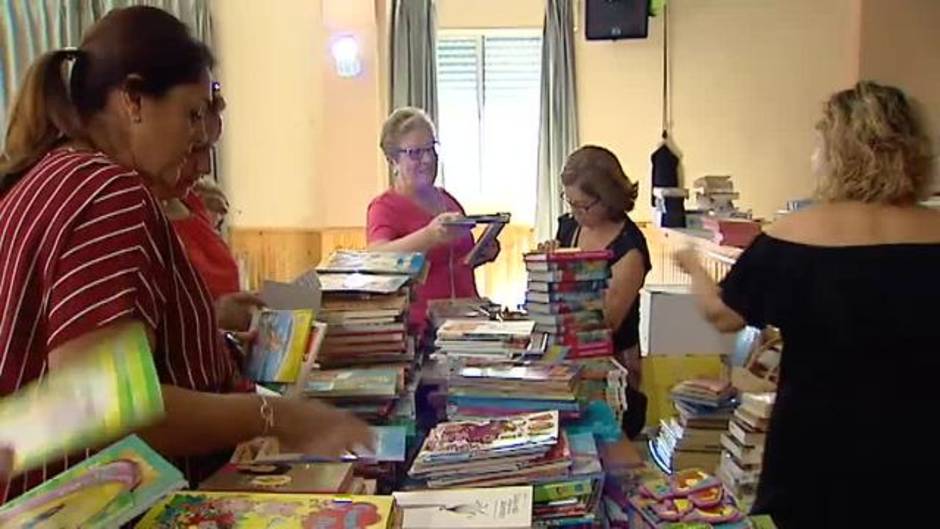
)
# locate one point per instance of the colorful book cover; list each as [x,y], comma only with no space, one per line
[568,276]
[234,510]
[563,297]
[278,351]
[339,383]
[318,332]
[103,492]
[491,508]
[494,227]
[348,261]
[559,288]
[561,255]
[484,330]
[465,439]
[365,283]
[110,391]
[565,307]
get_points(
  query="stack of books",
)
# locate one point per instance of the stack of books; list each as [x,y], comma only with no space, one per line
[499,390]
[689,498]
[491,508]
[367,353]
[743,445]
[715,194]
[565,299]
[564,469]
[497,341]
[493,452]
[693,438]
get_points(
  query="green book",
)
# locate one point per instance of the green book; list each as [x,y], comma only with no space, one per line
[105,393]
[106,491]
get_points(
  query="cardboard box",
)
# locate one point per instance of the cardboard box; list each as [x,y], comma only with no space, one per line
[671,325]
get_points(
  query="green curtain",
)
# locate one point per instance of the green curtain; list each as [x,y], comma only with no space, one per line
[558,122]
[413,59]
[29,28]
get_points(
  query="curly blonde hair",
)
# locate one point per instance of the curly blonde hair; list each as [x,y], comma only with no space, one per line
[402,121]
[875,148]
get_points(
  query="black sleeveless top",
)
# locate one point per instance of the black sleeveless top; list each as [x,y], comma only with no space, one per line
[629,238]
[849,434]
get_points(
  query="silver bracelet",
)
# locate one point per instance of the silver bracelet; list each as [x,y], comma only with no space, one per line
[267,415]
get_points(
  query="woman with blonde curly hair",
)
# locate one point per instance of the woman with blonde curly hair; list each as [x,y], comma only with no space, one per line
[853,285]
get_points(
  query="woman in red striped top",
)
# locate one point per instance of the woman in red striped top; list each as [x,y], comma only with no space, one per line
[85,247]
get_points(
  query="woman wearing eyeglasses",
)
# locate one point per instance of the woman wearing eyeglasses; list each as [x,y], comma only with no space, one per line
[413,215]
[600,197]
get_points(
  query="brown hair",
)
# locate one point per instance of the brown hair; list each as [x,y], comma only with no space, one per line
[144,42]
[875,147]
[402,121]
[597,172]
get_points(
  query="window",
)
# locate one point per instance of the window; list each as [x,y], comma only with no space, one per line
[489,93]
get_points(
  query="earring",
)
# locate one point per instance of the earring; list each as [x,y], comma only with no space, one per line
[137,119]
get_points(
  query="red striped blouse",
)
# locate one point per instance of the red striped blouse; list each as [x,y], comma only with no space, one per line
[83,243]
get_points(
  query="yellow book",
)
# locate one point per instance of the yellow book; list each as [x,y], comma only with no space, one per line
[263,511]
[278,352]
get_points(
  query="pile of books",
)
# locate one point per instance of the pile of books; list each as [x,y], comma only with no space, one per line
[743,445]
[715,194]
[563,469]
[500,390]
[565,299]
[367,359]
[496,341]
[693,438]
[689,498]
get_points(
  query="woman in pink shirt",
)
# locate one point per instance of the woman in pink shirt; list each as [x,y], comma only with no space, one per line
[413,215]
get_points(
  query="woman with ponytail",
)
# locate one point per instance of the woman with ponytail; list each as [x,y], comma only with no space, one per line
[96,139]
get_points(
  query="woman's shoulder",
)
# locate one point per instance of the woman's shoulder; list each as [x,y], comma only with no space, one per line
[856,225]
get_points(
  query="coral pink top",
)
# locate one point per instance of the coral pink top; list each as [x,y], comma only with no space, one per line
[206,248]
[392,216]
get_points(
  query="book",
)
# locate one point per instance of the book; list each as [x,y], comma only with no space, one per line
[758,404]
[482,330]
[560,288]
[411,264]
[358,282]
[105,393]
[279,349]
[309,362]
[308,478]
[568,276]
[495,225]
[344,383]
[565,307]
[103,492]
[563,255]
[491,508]
[747,455]
[750,420]
[562,297]
[390,446]
[239,510]
[746,435]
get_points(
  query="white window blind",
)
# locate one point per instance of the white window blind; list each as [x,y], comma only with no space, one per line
[488,91]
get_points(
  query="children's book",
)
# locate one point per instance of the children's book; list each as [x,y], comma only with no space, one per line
[318,333]
[236,510]
[365,283]
[490,508]
[466,440]
[278,351]
[345,383]
[103,492]
[411,264]
[482,330]
[109,391]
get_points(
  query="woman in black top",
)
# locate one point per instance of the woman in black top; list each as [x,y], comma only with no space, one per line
[600,197]
[853,286]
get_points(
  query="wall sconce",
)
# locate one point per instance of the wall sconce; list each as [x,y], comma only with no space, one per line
[345,51]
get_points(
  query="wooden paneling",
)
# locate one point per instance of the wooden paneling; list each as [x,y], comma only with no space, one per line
[273,253]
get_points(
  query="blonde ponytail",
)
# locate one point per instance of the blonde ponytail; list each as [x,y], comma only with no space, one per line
[42,116]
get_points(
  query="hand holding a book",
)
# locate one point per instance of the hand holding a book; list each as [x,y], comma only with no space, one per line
[234,311]
[313,428]
[443,229]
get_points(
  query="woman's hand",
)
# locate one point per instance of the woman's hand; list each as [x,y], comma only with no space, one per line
[688,260]
[233,311]
[314,428]
[548,246]
[441,230]
[489,253]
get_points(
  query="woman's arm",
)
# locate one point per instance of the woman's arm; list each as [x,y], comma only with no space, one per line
[437,232]
[197,423]
[708,293]
[627,277]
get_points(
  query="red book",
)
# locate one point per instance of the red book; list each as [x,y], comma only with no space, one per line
[568,254]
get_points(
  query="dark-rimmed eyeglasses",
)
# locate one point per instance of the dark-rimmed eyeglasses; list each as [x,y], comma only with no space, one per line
[417,153]
[579,206]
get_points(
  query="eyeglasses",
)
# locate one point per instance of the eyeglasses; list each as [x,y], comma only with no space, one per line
[577,206]
[417,153]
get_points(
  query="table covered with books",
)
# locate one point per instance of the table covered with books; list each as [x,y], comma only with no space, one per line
[493,419]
